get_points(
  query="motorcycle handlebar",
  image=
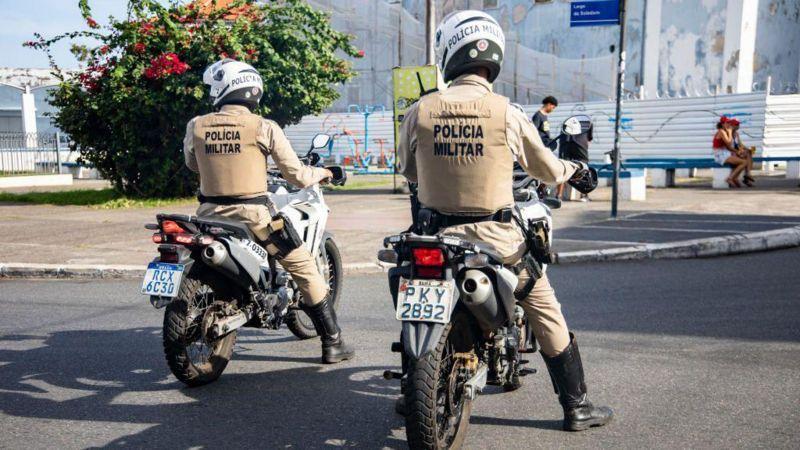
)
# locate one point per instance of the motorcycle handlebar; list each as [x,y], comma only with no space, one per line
[339,175]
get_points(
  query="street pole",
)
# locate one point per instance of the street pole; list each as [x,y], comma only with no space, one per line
[618,115]
[430,29]
[400,11]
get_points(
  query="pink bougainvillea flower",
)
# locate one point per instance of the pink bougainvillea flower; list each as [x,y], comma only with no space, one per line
[165,65]
[146,28]
[90,78]
[360,54]
[92,23]
[139,47]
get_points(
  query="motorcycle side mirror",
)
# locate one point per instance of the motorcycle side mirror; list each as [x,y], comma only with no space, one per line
[321,140]
[552,202]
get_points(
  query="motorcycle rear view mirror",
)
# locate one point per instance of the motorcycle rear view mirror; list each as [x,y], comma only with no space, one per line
[321,140]
[576,125]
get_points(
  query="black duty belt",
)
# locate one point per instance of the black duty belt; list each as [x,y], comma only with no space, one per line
[227,200]
[504,216]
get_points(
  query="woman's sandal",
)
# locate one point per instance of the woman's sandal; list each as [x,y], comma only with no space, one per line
[733,183]
[749,181]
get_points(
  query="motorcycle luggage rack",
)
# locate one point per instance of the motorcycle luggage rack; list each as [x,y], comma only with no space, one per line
[410,238]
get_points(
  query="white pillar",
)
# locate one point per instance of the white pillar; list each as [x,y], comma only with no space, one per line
[29,118]
[652,41]
[740,44]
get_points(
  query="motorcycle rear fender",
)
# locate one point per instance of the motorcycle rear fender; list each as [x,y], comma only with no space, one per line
[420,338]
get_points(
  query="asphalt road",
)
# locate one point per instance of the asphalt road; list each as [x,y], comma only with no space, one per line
[690,353]
[657,227]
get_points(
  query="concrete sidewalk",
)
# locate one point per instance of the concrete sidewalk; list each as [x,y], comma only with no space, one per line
[359,221]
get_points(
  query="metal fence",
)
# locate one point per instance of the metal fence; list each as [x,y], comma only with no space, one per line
[653,128]
[34,153]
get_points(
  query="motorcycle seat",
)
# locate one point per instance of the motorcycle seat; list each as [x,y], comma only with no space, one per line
[238,229]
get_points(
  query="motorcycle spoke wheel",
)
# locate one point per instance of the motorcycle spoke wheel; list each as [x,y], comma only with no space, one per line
[329,263]
[192,359]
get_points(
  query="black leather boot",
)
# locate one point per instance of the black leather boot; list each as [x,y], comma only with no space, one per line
[334,349]
[566,371]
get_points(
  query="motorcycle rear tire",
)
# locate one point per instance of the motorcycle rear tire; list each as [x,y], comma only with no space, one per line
[298,321]
[422,394]
[180,332]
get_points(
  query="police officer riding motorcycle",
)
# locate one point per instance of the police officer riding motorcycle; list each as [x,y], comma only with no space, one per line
[460,145]
[229,149]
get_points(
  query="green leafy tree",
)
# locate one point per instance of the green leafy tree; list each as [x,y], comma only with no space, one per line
[127,108]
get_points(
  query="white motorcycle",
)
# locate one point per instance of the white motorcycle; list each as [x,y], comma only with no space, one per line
[214,277]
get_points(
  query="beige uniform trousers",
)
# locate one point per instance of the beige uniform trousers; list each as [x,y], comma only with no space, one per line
[541,305]
[299,263]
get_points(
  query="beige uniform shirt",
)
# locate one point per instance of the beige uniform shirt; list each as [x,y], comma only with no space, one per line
[272,142]
[522,138]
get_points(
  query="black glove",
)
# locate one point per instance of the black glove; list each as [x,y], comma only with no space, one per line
[339,175]
[584,180]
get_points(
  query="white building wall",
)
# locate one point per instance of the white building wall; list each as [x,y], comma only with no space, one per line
[777,47]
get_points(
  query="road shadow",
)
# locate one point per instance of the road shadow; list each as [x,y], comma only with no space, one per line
[120,376]
[749,297]
[524,423]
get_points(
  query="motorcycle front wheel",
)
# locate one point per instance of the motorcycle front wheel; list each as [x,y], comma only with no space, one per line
[437,409]
[192,359]
[329,262]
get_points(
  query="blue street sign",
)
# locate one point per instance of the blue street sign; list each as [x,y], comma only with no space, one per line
[590,13]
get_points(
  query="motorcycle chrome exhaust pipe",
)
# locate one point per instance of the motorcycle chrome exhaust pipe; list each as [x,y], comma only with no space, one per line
[217,257]
[477,293]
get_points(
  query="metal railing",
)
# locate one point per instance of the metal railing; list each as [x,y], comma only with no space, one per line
[30,153]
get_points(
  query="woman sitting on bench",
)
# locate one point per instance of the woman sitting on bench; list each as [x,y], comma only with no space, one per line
[743,152]
[725,154]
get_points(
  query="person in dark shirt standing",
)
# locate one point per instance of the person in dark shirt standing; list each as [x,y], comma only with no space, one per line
[539,120]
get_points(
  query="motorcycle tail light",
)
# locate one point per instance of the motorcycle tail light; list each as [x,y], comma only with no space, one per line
[183,238]
[171,227]
[428,262]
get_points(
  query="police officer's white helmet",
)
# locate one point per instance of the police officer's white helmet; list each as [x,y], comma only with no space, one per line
[234,82]
[468,39]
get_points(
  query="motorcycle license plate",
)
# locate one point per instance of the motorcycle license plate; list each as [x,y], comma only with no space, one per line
[162,279]
[425,300]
